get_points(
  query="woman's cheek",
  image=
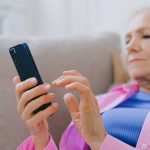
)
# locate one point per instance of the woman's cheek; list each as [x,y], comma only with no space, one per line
[146,47]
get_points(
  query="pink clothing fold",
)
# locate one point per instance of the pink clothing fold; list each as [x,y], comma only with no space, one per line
[72,140]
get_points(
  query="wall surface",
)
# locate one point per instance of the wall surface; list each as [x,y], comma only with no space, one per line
[59,18]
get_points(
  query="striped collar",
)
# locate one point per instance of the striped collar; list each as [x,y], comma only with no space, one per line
[116,96]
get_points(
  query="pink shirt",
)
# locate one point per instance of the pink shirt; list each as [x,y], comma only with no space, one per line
[72,140]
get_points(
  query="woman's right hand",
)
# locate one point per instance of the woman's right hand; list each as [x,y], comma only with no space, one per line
[36,123]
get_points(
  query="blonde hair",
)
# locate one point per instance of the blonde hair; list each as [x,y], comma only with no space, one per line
[139,11]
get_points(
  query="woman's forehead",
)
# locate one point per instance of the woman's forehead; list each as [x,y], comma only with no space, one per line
[139,23]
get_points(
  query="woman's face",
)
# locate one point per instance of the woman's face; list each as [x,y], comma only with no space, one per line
[137,53]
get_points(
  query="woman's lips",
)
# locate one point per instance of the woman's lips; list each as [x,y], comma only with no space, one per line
[135,60]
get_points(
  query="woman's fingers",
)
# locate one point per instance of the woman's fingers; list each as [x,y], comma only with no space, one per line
[35,104]
[40,116]
[67,73]
[33,93]
[21,87]
[76,86]
[83,90]
[71,72]
[16,80]
[72,104]
[69,77]
[61,82]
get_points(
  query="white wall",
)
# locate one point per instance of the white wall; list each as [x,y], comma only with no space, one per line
[68,17]
[59,18]
[115,13]
[54,18]
[15,17]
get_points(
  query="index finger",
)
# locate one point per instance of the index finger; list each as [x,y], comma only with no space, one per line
[71,72]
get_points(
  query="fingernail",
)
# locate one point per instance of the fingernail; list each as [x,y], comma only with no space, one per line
[65,72]
[33,80]
[53,82]
[55,105]
[15,78]
[57,82]
[47,86]
[51,95]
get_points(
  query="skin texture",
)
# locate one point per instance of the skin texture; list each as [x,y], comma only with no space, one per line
[84,112]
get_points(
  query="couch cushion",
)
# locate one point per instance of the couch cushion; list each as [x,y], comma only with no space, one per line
[90,56]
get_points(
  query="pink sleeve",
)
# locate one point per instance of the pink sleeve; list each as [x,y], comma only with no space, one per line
[51,145]
[72,140]
[29,145]
[115,144]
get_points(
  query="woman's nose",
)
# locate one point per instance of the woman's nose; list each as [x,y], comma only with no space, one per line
[133,45]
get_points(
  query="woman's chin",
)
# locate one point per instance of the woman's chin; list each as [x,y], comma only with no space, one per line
[138,74]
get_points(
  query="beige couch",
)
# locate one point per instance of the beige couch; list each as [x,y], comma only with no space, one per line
[90,56]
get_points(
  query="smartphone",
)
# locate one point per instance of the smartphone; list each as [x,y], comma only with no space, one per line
[26,67]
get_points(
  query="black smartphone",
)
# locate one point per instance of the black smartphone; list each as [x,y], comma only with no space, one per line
[25,66]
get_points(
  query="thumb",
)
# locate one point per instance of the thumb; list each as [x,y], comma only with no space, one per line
[72,103]
[16,80]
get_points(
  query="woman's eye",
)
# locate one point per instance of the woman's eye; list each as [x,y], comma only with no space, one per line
[127,42]
[146,36]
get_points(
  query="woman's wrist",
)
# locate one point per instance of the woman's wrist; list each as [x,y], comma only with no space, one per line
[41,141]
[95,145]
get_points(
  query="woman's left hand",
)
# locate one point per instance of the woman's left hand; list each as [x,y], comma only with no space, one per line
[85,113]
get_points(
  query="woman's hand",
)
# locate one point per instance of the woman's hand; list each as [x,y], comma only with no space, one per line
[85,113]
[37,123]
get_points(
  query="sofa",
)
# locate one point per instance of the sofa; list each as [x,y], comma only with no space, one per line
[91,56]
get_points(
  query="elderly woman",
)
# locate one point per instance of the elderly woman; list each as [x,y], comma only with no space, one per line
[124,121]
